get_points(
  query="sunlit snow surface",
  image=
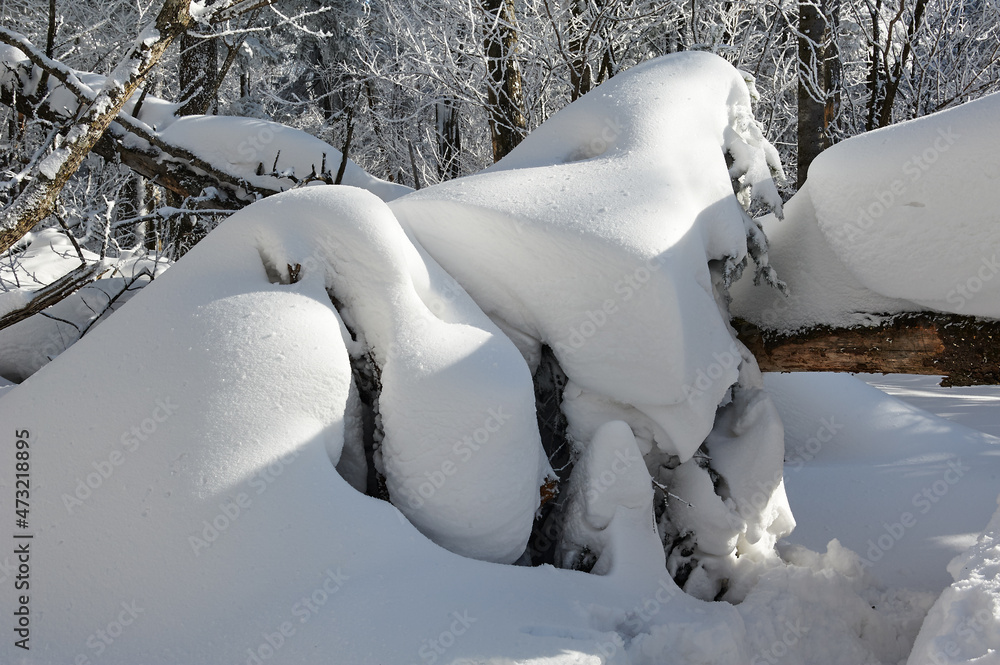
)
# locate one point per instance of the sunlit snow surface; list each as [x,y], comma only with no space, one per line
[185,507]
[898,219]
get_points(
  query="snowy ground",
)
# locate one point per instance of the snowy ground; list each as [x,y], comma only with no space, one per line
[859,461]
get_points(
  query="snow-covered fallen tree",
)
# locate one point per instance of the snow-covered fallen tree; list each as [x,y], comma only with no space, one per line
[889,252]
[192,504]
[238,160]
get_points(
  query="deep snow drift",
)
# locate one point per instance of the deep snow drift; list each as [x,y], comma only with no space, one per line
[185,504]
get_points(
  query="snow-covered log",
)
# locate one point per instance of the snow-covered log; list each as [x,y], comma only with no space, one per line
[240,159]
[890,253]
[37,199]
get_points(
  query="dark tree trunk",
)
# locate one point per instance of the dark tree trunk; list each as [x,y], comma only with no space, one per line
[896,76]
[963,349]
[449,138]
[875,82]
[819,78]
[505,98]
[580,72]
[199,72]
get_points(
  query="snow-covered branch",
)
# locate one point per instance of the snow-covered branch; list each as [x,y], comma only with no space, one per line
[37,200]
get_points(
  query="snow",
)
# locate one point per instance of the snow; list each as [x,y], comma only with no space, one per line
[195,458]
[590,188]
[890,221]
[242,145]
[972,406]
[962,625]
[822,291]
[904,489]
[49,167]
[595,237]
[190,501]
[48,255]
[902,207]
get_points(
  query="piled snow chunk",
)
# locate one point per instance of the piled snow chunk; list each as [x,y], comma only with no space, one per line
[609,508]
[631,182]
[460,451]
[824,609]
[963,625]
[247,147]
[610,234]
[196,484]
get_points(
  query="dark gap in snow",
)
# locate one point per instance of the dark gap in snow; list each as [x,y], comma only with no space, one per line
[366,376]
[550,381]
[274,275]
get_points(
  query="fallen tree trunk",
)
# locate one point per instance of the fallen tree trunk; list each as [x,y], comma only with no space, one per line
[172,167]
[964,350]
[52,293]
[38,198]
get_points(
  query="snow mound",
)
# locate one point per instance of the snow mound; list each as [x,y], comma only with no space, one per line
[821,289]
[195,493]
[962,625]
[905,209]
[597,231]
[894,220]
[189,498]
[610,235]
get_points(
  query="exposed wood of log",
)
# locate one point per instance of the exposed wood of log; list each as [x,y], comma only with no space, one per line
[965,350]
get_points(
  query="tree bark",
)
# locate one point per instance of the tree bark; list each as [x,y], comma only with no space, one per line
[38,198]
[965,350]
[505,98]
[819,80]
[449,138]
[199,74]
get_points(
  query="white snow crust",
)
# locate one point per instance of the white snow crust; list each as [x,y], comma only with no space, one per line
[907,208]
